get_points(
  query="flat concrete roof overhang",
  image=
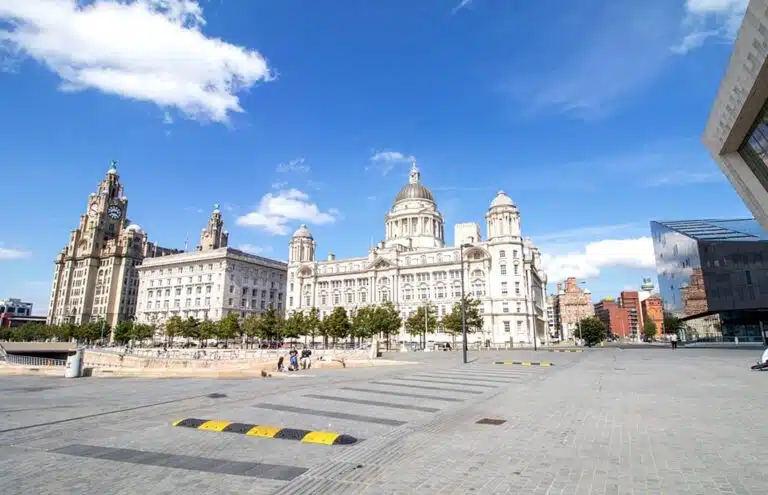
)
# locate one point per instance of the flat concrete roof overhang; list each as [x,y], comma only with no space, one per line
[22,347]
[744,87]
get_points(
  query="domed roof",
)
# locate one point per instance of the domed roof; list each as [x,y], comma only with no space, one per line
[133,228]
[112,167]
[303,231]
[502,199]
[414,191]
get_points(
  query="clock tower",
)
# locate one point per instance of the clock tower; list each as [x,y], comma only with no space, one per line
[95,277]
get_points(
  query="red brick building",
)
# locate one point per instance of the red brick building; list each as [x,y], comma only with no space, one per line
[630,300]
[614,317]
[653,310]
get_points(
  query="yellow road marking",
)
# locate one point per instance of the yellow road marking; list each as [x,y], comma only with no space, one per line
[176,423]
[263,431]
[214,425]
[323,437]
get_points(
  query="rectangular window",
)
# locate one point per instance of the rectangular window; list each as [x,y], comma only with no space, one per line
[504,289]
[502,254]
[503,269]
[517,288]
[506,326]
[516,270]
[505,307]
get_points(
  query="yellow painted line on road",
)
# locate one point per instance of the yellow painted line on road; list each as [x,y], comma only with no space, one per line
[261,431]
[525,363]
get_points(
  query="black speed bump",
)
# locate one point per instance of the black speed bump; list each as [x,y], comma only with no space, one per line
[251,430]
[524,363]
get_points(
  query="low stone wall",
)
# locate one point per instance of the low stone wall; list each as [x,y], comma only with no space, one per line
[216,359]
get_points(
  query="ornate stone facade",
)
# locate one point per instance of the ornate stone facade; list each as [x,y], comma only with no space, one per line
[413,266]
[209,283]
[95,277]
[572,304]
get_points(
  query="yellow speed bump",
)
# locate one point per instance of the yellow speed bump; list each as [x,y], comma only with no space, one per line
[524,363]
[304,436]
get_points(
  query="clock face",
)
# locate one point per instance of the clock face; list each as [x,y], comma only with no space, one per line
[114,212]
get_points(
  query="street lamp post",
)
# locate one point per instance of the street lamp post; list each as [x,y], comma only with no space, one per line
[463,305]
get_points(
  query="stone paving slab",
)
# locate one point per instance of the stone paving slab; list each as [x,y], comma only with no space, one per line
[602,421]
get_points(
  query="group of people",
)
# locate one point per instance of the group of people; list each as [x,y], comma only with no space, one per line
[294,362]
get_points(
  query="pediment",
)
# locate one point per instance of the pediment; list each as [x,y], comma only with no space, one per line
[380,264]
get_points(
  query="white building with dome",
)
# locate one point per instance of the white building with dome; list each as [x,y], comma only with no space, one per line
[413,266]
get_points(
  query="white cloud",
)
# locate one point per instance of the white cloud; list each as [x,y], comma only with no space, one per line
[147,50]
[464,4]
[13,254]
[681,177]
[385,161]
[587,262]
[705,19]
[280,184]
[250,248]
[617,49]
[167,119]
[276,211]
[295,165]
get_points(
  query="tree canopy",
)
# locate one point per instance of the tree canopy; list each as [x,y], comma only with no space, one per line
[592,330]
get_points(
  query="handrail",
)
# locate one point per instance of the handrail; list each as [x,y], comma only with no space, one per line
[33,360]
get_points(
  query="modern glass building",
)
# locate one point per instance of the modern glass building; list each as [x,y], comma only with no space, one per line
[737,131]
[714,275]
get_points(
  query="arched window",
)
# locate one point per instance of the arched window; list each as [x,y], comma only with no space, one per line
[336,298]
[383,295]
[478,274]
[323,298]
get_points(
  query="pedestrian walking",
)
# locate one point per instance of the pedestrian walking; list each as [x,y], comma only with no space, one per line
[673,339]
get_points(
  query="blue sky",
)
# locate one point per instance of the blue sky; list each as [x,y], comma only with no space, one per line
[587,113]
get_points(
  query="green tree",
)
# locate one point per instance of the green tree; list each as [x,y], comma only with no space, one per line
[312,323]
[474,319]
[142,332]
[190,328]
[91,331]
[270,325]
[174,326]
[592,330]
[672,324]
[293,326]
[361,323]
[207,330]
[649,329]
[337,324]
[423,321]
[251,326]
[123,332]
[386,321]
[229,327]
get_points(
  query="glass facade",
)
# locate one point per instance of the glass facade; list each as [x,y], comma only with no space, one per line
[714,274]
[754,151]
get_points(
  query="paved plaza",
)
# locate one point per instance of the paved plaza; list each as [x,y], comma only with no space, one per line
[604,421]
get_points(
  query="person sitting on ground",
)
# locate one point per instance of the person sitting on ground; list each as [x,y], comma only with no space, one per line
[280,364]
[294,358]
[306,361]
